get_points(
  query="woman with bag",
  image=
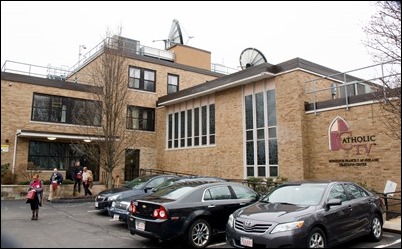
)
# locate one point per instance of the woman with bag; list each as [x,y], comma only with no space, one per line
[34,197]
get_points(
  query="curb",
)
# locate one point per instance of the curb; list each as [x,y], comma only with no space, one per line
[72,200]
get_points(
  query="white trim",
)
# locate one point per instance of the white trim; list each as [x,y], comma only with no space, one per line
[263,75]
[64,136]
[341,107]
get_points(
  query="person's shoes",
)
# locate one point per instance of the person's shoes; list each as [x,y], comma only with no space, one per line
[33,218]
[36,218]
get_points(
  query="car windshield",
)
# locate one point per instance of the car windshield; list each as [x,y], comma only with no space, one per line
[138,182]
[304,194]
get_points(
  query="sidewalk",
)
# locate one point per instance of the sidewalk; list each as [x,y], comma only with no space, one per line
[393,225]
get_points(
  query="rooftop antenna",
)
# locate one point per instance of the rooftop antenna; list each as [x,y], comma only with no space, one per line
[251,57]
[175,35]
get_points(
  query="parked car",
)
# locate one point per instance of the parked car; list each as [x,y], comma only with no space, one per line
[193,211]
[308,214]
[140,186]
[119,209]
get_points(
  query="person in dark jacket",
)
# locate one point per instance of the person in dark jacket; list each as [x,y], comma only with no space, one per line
[37,186]
[77,177]
[55,181]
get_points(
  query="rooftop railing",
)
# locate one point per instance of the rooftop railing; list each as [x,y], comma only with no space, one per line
[343,85]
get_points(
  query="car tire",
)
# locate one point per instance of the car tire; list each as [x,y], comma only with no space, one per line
[375,229]
[316,239]
[199,234]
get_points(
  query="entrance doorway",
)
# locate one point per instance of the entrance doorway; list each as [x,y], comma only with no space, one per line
[132,164]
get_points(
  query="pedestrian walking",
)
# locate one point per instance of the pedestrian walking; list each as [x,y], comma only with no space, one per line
[77,177]
[55,181]
[87,179]
[36,200]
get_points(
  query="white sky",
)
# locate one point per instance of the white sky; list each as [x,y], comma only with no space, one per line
[326,33]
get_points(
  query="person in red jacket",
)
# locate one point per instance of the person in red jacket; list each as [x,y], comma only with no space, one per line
[37,186]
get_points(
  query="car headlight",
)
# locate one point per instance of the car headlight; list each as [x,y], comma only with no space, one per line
[113,204]
[231,220]
[113,197]
[288,226]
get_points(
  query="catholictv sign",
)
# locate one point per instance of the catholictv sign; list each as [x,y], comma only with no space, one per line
[342,138]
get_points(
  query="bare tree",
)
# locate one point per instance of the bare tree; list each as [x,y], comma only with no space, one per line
[109,73]
[384,43]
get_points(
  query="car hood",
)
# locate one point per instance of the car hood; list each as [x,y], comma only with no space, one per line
[277,212]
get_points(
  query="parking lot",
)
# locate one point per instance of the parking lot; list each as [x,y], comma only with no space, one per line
[79,225]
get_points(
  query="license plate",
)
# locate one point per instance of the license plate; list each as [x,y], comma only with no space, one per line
[246,242]
[116,217]
[140,225]
[96,204]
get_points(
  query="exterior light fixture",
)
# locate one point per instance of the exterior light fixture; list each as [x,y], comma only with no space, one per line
[51,138]
[87,140]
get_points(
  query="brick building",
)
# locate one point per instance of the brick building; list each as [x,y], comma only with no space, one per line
[291,120]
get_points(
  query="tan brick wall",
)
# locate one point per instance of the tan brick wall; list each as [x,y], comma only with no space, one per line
[225,158]
[192,56]
[362,121]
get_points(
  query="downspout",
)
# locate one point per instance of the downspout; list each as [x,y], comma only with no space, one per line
[15,150]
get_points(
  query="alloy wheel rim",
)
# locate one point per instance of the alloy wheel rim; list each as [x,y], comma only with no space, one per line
[200,234]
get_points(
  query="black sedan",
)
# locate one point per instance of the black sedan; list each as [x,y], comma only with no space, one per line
[119,208]
[194,211]
[308,214]
[140,186]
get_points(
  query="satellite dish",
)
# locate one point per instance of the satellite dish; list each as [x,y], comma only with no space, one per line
[251,57]
[175,35]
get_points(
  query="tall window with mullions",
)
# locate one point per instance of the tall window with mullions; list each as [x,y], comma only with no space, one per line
[261,149]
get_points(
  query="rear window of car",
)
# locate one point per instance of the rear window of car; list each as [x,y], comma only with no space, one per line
[173,192]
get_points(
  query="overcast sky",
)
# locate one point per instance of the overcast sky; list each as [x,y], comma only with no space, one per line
[326,33]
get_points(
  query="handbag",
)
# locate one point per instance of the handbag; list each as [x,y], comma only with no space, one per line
[54,185]
[78,176]
[31,194]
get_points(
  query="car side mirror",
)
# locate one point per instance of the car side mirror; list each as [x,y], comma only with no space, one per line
[148,189]
[334,202]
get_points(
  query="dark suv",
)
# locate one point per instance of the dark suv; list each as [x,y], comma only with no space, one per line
[139,187]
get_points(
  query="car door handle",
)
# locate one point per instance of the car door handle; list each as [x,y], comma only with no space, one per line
[242,203]
[211,206]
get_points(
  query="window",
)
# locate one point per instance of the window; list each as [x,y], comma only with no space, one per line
[140,118]
[218,193]
[141,79]
[59,109]
[48,155]
[173,83]
[338,192]
[192,127]
[261,145]
[356,191]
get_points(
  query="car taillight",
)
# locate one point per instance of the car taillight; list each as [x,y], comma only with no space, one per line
[133,207]
[160,213]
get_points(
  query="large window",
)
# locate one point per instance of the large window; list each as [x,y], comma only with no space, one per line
[59,109]
[50,155]
[173,83]
[192,127]
[142,79]
[261,145]
[140,118]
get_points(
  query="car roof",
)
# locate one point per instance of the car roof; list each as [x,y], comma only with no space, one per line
[315,181]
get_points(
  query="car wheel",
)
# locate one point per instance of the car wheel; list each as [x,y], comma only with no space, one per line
[199,234]
[376,229]
[316,239]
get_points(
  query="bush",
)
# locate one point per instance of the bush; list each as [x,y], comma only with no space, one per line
[7,177]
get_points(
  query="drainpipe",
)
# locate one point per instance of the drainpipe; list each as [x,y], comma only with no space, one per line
[15,150]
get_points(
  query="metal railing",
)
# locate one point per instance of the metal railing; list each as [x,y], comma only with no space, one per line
[392,201]
[343,85]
